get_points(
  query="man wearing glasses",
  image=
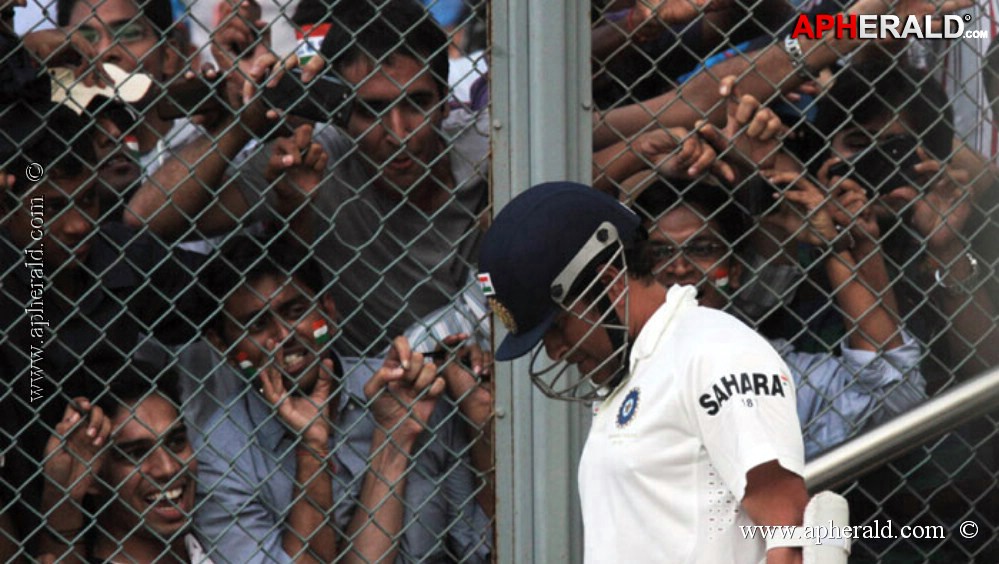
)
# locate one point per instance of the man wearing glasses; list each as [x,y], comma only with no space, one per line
[136,39]
[695,240]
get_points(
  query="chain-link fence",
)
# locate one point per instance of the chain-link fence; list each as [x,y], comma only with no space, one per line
[841,202]
[207,267]
[204,303]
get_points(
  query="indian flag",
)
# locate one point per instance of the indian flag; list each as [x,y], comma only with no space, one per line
[721,277]
[321,332]
[245,365]
[486,284]
[310,41]
[132,144]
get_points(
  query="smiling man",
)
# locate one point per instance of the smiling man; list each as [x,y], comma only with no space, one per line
[74,293]
[398,209]
[124,464]
[322,456]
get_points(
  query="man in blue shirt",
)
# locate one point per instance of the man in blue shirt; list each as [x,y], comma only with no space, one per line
[322,455]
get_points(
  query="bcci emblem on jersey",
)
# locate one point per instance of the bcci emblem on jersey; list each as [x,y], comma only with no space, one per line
[628,408]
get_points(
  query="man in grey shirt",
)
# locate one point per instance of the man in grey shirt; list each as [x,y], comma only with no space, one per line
[395,218]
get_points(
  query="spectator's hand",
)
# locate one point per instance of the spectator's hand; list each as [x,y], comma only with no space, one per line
[649,17]
[241,34]
[467,371]
[808,217]
[73,452]
[403,392]
[57,48]
[809,88]
[851,210]
[306,415]
[676,153]
[940,214]
[299,163]
[240,39]
[266,71]
[750,139]
[208,117]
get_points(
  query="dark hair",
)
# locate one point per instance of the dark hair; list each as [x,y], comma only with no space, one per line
[50,135]
[712,202]
[246,260]
[380,30]
[313,12]
[878,89]
[134,382]
[158,12]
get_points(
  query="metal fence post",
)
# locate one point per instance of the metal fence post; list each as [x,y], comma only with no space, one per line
[541,131]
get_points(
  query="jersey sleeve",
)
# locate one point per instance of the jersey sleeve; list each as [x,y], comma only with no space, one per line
[745,405]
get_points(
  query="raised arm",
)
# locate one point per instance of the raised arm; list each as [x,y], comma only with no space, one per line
[838,221]
[954,275]
[191,187]
[309,535]
[192,182]
[403,393]
[73,460]
[762,74]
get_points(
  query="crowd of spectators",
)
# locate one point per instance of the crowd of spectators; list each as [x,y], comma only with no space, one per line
[232,332]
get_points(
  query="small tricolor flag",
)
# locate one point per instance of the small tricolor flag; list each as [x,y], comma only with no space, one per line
[321,332]
[132,144]
[310,41]
[486,284]
[245,366]
[721,278]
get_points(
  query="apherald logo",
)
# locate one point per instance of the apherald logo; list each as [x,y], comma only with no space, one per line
[868,26]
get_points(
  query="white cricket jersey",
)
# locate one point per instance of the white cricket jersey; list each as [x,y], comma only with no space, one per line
[664,467]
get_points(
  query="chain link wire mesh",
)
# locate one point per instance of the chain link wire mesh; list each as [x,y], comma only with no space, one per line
[186,372]
[873,274]
[190,249]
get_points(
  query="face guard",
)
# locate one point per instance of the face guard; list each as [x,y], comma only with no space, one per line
[602,316]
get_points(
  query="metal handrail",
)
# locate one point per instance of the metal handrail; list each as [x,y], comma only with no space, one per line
[886,442]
